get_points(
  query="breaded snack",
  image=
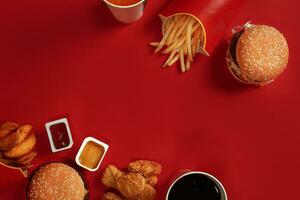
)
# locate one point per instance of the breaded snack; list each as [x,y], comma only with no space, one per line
[111,196]
[151,180]
[8,127]
[149,193]
[14,138]
[145,167]
[16,144]
[8,162]
[22,148]
[27,158]
[137,184]
[131,184]
[110,176]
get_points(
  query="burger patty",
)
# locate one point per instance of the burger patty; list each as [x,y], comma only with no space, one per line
[235,68]
[233,44]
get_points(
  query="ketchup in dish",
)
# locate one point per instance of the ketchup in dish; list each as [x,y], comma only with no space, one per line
[59,135]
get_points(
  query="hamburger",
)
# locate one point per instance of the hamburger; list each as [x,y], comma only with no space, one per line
[56,181]
[257,54]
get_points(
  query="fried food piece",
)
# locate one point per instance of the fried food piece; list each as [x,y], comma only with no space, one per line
[110,176]
[152,180]
[22,148]
[8,161]
[131,184]
[27,158]
[111,196]
[145,167]
[8,127]
[12,139]
[148,193]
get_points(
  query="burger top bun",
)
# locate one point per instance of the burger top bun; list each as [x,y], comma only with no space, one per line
[262,53]
[56,181]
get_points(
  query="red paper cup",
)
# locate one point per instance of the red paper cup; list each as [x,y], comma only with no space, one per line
[127,14]
[213,15]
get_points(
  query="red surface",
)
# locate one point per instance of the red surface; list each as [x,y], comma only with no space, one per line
[71,58]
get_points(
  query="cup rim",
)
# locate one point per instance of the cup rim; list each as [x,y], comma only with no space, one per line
[197,172]
[129,6]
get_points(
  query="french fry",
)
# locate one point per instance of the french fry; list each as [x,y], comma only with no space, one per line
[183,37]
[179,23]
[170,38]
[195,27]
[188,65]
[195,41]
[154,44]
[167,23]
[182,64]
[188,41]
[182,28]
[171,35]
[175,45]
[176,18]
[174,60]
[185,48]
[170,58]
[161,44]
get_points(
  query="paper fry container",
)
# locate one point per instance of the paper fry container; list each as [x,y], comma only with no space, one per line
[213,15]
[23,170]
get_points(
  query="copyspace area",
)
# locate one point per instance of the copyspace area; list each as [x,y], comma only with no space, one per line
[72,59]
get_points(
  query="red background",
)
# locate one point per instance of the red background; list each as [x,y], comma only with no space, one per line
[71,58]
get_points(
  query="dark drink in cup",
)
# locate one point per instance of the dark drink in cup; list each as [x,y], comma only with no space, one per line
[196,186]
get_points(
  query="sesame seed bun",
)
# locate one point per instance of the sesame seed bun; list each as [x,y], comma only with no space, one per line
[56,181]
[261,55]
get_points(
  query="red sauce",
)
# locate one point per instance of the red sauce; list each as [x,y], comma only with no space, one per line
[60,135]
[124,2]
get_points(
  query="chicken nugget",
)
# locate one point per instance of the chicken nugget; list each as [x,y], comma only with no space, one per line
[145,167]
[148,193]
[8,127]
[131,184]
[152,180]
[111,196]
[110,176]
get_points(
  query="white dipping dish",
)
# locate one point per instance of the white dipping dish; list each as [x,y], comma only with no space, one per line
[85,141]
[59,121]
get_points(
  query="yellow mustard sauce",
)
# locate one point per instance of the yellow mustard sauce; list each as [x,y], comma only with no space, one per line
[91,155]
